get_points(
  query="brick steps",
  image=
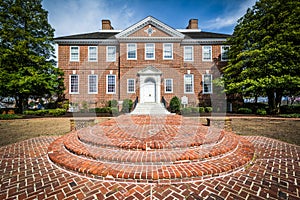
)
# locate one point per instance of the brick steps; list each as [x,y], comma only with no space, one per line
[165,163]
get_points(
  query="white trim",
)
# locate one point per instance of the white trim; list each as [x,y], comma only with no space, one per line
[150,52]
[211,85]
[206,60]
[113,60]
[184,53]
[164,51]
[76,60]
[70,84]
[130,92]
[191,92]
[168,92]
[188,30]
[107,92]
[110,31]
[134,50]
[96,84]
[222,52]
[89,58]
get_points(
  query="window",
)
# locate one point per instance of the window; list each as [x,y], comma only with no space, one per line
[224,53]
[188,53]
[168,51]
[74,53]
[110,54]
[207,84]
[188,83]
[168,85]
[131,51]
[111,84]
[93,54]
[149,51]
[206,53]
[130,85]
[74,84]
[93,84]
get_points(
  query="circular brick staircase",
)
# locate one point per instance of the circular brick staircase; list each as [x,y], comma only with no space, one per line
[152,149]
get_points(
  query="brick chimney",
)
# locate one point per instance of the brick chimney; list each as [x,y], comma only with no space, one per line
[193,24]
[106,25]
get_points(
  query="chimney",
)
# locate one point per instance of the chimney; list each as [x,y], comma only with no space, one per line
[106,25]
[193,24]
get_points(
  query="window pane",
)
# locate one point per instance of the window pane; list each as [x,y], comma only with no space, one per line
[188,53]
[111,53]
[93,84]
[206,53]
[188,83]
[130,85]
[149,51]
[74,85]
[169,85]
[74,54]
[92,53]
[168,51]
[224,52]
[111,83]
[131,51]
[207,83]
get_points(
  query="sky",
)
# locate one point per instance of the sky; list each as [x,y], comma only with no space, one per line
[69,17]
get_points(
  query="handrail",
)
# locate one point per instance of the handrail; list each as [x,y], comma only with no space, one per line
[164,102]
[135,102]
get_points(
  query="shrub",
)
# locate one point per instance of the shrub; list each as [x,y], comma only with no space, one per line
[103,110]
[175,105]
[290,109]
[114,111]
[195,109]
[57,112]
[244,111]
[201,109]
[294,115]
[112,103]
[261,111]
[208,109]
[127,105]
[29,112]
[186,111]
[10,116]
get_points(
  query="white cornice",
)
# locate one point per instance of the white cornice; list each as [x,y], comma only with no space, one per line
[150,20]
[87,41]
[204,41]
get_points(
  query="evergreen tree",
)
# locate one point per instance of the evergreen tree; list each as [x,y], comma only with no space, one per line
[26,52]
[265,54]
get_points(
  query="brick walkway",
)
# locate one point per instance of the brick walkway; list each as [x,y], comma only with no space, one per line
[27,173]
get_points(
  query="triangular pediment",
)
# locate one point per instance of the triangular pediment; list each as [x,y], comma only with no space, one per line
[149,27]
[150,70]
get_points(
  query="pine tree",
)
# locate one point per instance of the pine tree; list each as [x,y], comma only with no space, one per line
[265,54]
[27,67]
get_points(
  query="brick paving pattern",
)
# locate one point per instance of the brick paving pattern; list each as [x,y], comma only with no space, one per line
[27,173]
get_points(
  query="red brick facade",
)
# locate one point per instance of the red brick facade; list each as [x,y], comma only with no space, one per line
[125,69]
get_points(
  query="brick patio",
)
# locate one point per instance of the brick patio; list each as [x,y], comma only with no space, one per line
[27,173]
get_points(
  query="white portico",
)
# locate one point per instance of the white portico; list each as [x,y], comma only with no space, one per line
[150,79]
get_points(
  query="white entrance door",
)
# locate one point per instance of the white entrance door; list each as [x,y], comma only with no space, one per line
[148,92]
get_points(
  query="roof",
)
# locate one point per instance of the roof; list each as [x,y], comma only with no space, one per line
[205,35]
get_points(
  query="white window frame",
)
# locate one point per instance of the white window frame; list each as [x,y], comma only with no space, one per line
[204,51]
[89,84]
[78,57]
[115,83]
[222,52]
[135,50]
[70,84]
[89,54]
[185,53]
[128,80]
[108,57]
[210,85]
[168,79]
[165,50]
[150,48]
[185,82]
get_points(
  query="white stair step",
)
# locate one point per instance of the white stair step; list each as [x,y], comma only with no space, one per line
[150,109]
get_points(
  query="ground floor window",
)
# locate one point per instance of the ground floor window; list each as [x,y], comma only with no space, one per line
[93,84]
[188,83]
[130,85]
[74,84]
[111,84]
[207,84]
[168,85]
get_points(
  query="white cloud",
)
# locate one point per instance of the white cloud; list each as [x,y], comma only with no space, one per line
[232,16]
[70,17]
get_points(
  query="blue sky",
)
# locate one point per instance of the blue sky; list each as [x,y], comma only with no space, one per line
[69,17]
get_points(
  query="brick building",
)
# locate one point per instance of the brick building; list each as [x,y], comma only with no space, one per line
[149,61]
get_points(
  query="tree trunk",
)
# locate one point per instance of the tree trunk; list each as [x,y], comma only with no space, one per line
[274,101]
